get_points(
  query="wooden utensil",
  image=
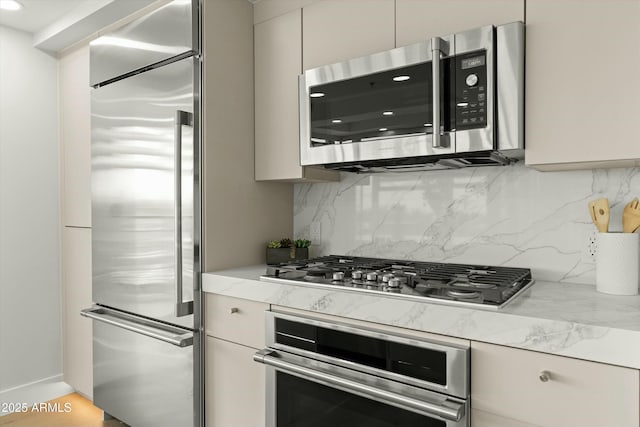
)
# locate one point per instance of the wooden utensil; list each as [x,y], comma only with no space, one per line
[599,210]
[631,217]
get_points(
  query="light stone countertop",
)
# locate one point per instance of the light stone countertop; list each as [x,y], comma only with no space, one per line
[557,318]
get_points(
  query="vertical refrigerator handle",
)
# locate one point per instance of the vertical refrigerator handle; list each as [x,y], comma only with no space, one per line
[437,45]
[183,118]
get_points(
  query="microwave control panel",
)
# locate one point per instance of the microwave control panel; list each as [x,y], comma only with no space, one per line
[471,90]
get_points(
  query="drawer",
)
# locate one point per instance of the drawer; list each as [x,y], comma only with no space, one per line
[507,382]
[236,320]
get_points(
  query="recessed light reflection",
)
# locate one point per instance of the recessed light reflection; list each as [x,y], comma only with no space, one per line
[382,129]
[336,121]
[316,94]
[387,113]
[462,104]
[10,5]
[428,124]
[401,78]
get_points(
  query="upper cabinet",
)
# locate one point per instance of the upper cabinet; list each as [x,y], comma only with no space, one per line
[75,138]
[582,91]
[278,63]
[419,20]
[337,30]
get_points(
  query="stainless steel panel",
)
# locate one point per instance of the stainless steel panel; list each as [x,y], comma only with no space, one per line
[133,243]
[457,365]
[510,69]
[479,139]
[418,145]
[162,34]
[140,380]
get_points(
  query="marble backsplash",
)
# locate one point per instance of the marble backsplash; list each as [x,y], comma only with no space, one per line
[512,216]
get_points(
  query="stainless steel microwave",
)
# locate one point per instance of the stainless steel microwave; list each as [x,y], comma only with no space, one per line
[452,101]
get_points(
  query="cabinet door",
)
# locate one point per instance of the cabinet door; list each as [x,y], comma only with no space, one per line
[582,91]
[75,138]
[76,295]
[235,386]
[278,62]
[552,391]
[337,30]
[419,20]
[235,319]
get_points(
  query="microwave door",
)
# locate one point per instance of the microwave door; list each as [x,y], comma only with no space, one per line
[372,108]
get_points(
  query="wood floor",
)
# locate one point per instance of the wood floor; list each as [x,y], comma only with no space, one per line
[80,413]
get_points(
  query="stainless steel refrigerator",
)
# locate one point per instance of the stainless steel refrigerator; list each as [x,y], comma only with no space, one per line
[146,219]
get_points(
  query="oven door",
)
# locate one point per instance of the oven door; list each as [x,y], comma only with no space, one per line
[303,392]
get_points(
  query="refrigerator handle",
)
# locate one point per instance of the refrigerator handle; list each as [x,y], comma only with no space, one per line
[183,118]
[149,328]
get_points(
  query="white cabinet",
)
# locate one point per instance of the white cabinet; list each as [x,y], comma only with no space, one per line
[76,294]
[235,319]
[419,20]
[337,30]
[278,62]
[75,115]
[551,391]
[235,384]
[582,91]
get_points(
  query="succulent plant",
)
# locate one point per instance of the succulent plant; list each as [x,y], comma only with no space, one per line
[302,243]
[285,243]
[274,244]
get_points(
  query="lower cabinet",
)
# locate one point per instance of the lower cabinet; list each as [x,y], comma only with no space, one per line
[547,390]
[235,386]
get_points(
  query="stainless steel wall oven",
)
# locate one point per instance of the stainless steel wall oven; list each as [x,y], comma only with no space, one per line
[451,101]
[323,373]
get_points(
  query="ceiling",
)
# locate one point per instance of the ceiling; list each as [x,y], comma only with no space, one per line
[36,15]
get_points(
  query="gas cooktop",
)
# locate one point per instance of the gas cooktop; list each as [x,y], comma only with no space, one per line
[458,284]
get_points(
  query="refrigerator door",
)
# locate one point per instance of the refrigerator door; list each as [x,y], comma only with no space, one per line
[141,127]
[165,33]
[140,379]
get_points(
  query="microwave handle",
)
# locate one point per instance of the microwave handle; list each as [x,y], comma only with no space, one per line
[436,53]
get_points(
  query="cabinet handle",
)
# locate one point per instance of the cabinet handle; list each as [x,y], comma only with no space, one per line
[234,310]
[545,376]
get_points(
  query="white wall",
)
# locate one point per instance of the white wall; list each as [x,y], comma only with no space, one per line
[29,218]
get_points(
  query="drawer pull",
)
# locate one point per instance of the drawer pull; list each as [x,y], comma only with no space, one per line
[545,376]
[234,310]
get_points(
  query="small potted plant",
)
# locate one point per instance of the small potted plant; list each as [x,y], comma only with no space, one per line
[285,250]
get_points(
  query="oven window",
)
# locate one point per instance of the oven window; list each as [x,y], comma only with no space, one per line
[303,403]
[394,103]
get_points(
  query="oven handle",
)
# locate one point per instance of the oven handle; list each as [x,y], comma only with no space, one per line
[448,413]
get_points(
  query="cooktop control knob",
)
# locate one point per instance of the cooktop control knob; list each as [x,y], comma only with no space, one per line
[372,277]
[357,275]
[338,275]
[394,283]
[472,80]
[386,277]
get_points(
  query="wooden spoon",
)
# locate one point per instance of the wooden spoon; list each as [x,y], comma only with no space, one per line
[631,217]
[599,210]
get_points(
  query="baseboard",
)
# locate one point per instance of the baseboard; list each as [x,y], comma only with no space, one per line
[34,392]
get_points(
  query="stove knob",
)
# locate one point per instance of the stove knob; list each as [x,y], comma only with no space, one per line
[357,275]
[394,283]
[386,277]
[338,275]
[372,277]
